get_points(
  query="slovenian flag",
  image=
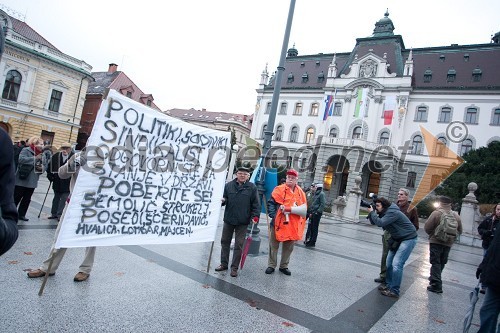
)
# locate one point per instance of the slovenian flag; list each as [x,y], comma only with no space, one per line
[328,107]
[389,107]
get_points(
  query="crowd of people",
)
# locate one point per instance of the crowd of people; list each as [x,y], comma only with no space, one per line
[289,208]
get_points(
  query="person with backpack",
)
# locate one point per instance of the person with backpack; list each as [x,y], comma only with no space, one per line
[443,226]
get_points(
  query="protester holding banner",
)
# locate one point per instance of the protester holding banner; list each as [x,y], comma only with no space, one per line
[68,170]
[8,211]
[242,206]
[286,227]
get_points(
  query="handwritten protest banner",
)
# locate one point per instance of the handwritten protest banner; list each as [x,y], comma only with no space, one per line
[145,178]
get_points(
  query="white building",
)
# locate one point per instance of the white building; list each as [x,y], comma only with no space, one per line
[453,92]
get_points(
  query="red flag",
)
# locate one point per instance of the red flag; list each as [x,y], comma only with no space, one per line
[388,117]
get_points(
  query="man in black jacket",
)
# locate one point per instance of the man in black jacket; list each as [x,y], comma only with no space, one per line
[8,210]
[242,206]
[60,186]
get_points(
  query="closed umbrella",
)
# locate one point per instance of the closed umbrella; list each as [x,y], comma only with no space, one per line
[474,296]
[246,247]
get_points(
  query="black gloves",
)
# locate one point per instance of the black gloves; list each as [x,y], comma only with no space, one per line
[478,272]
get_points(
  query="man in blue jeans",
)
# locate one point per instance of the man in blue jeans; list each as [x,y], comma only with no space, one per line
[403,240]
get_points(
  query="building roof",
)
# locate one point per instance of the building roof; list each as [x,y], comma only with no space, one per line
[102,81]
[310,71]
[119,81]
[23,29]
[209,116]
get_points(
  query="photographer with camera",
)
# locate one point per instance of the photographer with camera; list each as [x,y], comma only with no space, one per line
[403,240]
[412,214]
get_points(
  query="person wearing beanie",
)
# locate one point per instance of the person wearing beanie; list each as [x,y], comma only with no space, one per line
[285,227]
[439,250]
[241,199]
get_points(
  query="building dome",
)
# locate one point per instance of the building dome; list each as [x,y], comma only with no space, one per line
[292,52]
[384,27]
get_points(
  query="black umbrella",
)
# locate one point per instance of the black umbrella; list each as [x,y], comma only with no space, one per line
[474,296]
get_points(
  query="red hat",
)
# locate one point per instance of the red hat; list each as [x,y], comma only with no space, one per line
[292,172]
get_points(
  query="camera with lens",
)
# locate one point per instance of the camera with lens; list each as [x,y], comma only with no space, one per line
[367,204]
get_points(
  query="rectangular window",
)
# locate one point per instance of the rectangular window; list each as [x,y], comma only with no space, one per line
[496,117]
[314,109]
[283,108]
[411,179]
[337,109]
[298,109]
[421,114]
[129,94]
[55,100]
[445,115]
[471,116]
[268,108]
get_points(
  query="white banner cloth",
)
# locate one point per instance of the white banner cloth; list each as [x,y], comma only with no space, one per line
[149,179]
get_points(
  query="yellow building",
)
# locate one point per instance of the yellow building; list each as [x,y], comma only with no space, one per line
[43,89]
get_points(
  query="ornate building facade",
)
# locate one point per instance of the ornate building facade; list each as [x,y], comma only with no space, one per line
[381,101]
[43,89]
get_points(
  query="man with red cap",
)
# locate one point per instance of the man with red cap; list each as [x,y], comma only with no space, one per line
[286,227]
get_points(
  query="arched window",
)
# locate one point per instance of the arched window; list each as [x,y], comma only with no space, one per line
[384,138]
[294,133]
[309,135]
[441,146]
[12,85]
[416,145]
[333,132]
[356,132]
[466,147]
[264,129]
[279,133]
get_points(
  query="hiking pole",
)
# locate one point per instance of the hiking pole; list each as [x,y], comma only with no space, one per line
[43,203]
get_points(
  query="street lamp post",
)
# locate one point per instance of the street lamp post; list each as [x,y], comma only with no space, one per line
[268,133]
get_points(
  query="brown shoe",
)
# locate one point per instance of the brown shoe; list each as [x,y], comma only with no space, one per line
[36,273]
[81,276]
[234,272]
[221,268]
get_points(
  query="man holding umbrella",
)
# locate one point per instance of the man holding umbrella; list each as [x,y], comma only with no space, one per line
[242,203]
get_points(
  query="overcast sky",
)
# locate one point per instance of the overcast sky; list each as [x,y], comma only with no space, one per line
[210,54]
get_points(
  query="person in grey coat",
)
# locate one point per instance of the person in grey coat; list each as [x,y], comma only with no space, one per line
[32,158]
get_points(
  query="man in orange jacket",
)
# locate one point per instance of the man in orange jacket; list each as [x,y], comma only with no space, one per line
[286,227]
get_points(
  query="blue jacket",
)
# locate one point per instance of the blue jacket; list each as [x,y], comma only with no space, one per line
[395,222]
